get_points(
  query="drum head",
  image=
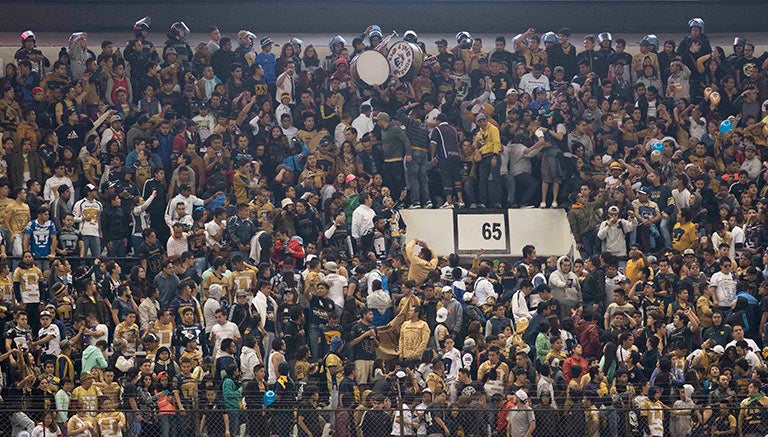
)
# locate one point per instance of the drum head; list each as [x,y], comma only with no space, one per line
[372,67]
[402,56]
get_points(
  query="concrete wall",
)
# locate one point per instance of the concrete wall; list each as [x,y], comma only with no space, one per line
[500,233]
[424,16]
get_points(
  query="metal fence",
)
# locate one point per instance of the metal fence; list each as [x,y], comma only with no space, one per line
[466,420]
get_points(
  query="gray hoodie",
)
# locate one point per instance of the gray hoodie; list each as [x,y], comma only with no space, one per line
[565,288]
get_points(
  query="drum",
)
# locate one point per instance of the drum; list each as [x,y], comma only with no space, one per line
[369,68]
[405,60]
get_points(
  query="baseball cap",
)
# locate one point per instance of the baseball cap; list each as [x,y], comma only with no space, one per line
[613,209]
[718,349]
[285,202]
[559,69]
[241,293]
[350,178]
[644,190]
[468,296]
[91,187]
[48,313]
[511,91]
[115,118]
[523,396]
[689,251]
[426,390]
[481,116]
[442,315]
[331,266]
[37,89]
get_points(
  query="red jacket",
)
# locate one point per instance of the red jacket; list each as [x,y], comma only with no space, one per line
[588,336]
[573,361]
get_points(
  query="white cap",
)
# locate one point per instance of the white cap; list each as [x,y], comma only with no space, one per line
[447,289]
[468,296]
[523,396]
[718,349]
[442,315]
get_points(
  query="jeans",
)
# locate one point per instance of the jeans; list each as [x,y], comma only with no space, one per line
[92,245]
[664,228]
[590,242]
[524,182]
[393,174]
[234,422]
[509,185]
[119,249]
[314,338]
[470,191]
[488,180]
[166,422]
[416,173]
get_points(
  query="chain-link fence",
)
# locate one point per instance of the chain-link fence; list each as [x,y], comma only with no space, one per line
[468,419]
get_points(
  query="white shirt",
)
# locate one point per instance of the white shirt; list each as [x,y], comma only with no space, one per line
[520,307]
[227,330]
[213,228]
[190,202]
[209,313]
[337,284]
[725,287]
[752,345]
[484,290]
[51,190]
[528,83]
[407,416]
[362,221]
[363,124]
[452,361]
[94,339]
[87,213]
[52,347]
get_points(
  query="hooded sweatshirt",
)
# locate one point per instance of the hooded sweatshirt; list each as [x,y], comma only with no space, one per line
[93,357]
[565,287]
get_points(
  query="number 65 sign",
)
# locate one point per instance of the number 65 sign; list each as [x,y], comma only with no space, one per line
[487,231]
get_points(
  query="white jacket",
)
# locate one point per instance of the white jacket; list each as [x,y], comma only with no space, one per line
[260,303]
[613,235]
[248,360]
[565,286]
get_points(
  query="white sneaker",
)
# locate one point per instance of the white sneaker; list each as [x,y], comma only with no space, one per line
[542,205]
[461,205]
[446,205]
[415,206]
[554,204]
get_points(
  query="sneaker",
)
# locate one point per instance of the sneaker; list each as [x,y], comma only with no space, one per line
[542,205]
[497,206]
[428,205]
[446,205]
[513,206]
[527,207]
[481,205]
[460,205]
[473,206]
[415,206]
[554,204]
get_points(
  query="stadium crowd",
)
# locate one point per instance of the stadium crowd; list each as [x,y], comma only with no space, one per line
[217,242]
